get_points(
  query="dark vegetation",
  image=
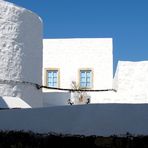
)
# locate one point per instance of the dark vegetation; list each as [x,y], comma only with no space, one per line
[20,139]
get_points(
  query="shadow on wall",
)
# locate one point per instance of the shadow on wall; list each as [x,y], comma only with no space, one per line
[3,104]
[55,98]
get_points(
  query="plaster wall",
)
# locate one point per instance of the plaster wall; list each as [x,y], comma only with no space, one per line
[71,55]
[131,82]
[20,52]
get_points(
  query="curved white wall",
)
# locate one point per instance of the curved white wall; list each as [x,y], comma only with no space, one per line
[20,53]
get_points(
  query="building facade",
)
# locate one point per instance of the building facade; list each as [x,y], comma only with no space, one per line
[87,62]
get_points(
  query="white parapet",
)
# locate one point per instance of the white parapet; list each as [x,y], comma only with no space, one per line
[20,53]
[92,119]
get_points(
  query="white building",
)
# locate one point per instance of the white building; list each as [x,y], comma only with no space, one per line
[24,63]
[89,62]
[131,82]
[86,61]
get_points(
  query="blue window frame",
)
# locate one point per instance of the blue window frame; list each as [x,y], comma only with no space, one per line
[85,78]
[52,78]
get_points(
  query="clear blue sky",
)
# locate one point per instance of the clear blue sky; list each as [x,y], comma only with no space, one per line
[126,21]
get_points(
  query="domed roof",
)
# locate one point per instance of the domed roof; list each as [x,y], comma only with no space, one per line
[7,102]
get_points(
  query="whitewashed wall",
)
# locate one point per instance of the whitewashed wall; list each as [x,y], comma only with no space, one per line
[131,82]
[70,55]
[93,119]
[20,52]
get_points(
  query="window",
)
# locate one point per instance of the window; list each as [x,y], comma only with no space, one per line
[52,78]
[86,78]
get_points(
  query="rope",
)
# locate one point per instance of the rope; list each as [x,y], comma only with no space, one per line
[53,88]
[72,90]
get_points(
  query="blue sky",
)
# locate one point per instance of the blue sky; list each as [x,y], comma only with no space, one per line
[126,21]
